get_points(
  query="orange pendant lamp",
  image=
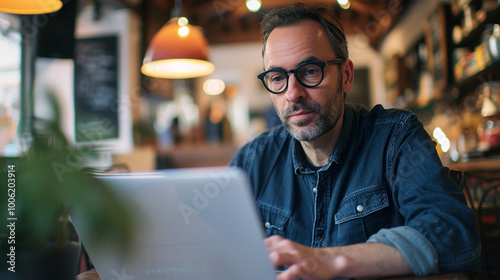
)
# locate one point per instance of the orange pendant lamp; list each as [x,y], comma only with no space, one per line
[29,7]
[177,51]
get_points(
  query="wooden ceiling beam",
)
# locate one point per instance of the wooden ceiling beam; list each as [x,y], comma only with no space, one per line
[229,21]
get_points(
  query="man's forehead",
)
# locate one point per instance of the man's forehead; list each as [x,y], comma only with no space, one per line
[296,43]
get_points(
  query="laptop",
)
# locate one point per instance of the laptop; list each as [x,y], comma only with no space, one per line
[196,223]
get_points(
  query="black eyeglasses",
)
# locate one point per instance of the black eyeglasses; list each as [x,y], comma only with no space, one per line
[309,74]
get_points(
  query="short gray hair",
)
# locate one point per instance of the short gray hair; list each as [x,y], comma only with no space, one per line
[295,13]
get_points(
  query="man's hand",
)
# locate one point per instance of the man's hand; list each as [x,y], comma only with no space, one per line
[366,259]
[302,262]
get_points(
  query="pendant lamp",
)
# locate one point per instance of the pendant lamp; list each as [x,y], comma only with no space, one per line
[29,7]
[178,51]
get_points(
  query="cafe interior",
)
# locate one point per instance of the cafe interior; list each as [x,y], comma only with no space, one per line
[142,85]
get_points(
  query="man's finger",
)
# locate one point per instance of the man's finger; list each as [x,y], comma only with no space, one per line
[291,273]
[283,256]
[271,241]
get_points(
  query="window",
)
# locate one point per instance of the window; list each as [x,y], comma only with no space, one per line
[10,85]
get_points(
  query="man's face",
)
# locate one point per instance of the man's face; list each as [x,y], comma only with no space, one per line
[306,113]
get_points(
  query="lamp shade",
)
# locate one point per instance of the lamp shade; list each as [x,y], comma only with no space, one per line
[177,51]
[29,7]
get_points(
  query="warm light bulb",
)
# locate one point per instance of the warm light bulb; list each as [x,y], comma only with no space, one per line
[445,145]
[214,86]
[344,4]
[183,21]
[253,5]
[441,138]
[437,133]
[183,31]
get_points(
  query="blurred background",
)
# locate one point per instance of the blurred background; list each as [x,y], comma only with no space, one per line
[436,58]
[158,84]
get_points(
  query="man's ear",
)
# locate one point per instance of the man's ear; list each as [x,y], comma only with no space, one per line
[347,75]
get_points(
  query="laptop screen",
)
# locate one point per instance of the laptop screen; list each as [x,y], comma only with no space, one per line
[198,223]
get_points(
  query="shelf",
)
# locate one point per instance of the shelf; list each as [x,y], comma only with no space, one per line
[472,39]
[457,9]
[471,83]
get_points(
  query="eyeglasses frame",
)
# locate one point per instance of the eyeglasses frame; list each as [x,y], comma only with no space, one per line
[322,65]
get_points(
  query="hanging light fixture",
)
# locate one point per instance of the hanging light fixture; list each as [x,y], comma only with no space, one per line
[253,5]
[29,7]
[177,51]
[344,4]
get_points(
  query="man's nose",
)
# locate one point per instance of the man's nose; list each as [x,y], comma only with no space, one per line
[295,90]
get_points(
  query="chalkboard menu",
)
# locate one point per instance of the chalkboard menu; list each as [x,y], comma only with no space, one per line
[96,89]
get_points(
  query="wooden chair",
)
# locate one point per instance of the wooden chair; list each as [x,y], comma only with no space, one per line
[485,190]
[459,177]
[488,217]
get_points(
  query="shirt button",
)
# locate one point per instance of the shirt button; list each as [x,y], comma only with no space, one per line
[360,208]
[315,190]
[267,224]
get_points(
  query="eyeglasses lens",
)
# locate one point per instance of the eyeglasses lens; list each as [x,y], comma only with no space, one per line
[307,74]
[276,81]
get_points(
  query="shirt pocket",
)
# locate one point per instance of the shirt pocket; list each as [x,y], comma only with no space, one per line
[361,214]
[274,219]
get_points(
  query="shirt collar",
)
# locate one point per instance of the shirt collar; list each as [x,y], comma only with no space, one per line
[299,158]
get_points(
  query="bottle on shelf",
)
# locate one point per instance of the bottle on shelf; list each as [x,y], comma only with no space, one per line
[492,39]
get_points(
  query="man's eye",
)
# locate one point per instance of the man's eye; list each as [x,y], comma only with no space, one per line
[310,71]
[277,78]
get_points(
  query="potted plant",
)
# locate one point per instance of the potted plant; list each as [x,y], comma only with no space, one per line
[38,194]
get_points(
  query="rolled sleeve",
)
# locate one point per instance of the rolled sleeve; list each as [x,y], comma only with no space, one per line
[418,251]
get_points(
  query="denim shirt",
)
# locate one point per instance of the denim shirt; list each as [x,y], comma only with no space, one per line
[383,182]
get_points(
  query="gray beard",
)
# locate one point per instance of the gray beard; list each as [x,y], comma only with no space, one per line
[326,120]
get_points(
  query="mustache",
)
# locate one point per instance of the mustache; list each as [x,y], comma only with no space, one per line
[301,106]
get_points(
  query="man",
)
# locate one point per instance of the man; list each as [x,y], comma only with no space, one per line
[344,191]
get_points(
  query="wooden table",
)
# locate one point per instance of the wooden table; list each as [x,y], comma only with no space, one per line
[475,165]
[92,275]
